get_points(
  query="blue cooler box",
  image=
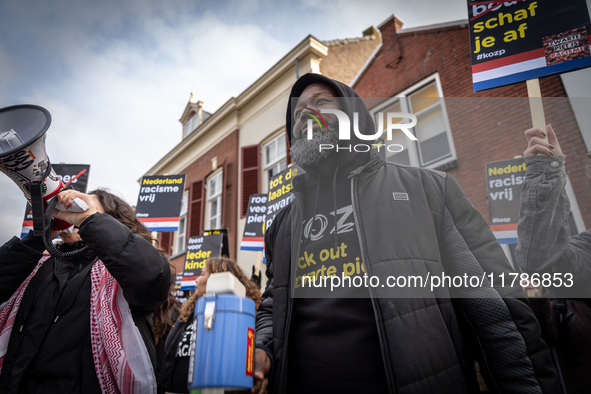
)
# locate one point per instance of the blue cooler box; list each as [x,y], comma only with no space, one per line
[223,341]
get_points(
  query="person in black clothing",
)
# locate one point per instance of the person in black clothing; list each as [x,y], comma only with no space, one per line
[546,247]
[176,348]
[355,217]
[73,330]
[566,324]
[173,315]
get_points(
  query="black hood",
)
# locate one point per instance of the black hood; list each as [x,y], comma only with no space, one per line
[345,161]
[351,103]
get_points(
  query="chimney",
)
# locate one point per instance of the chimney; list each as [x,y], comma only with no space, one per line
[372,31]
[398,22]
[391,50]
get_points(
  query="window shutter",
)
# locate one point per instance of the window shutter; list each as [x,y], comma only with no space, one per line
[164,240]
[195,214]
[250,175]
[224,184]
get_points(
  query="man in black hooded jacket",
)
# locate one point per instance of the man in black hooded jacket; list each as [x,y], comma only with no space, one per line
[354,216]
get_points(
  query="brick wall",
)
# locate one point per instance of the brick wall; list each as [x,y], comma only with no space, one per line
[227,149]
[346,57]
[486,126]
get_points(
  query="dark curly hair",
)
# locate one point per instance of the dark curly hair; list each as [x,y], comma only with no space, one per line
[222,264]
[125,214]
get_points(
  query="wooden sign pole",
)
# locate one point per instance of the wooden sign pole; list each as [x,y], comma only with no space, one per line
[535,105]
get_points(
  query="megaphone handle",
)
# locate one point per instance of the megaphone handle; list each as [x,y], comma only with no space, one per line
[47,237]
[38,209]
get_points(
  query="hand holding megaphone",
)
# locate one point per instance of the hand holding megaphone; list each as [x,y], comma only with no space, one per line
[74,207]
[24,160]
[77,206]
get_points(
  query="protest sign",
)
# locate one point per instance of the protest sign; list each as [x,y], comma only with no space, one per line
[516,41]
[225,242]
[253,236]
[75,175]
[504,180]
[199,249]
[159,202]
[280,195]
[180,295]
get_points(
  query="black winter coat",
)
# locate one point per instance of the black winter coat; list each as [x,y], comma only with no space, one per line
[427,343]
[170,349]
[49,349]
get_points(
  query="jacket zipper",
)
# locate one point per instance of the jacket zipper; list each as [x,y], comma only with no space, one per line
[297,227]
[376,311]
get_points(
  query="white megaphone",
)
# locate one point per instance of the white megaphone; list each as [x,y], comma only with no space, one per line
[24,160]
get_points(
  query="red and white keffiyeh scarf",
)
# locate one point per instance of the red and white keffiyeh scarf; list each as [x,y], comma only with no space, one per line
[120,355]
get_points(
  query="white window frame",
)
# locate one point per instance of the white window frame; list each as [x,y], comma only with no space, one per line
[413,146]
[180,235]
[190,125]
[278,160]
[216,196]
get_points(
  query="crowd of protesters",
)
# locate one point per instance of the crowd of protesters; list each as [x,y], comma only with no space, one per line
[99,315]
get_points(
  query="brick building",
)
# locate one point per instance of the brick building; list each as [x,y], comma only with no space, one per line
[427,71]
[424,70]
[231,153]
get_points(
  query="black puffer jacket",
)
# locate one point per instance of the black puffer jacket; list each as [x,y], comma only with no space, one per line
[171,347]
[49,355]
[427,343]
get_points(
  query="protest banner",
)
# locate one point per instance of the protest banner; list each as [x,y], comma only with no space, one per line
[516,41]
[180,295]
[225,242]
[504,180]
[159,202]
[253,236]
[199,249]
[75,175]
[280,195]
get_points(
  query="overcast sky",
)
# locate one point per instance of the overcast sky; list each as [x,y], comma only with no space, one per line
[116,75]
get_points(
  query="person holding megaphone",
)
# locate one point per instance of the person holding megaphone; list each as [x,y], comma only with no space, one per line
[82,324]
